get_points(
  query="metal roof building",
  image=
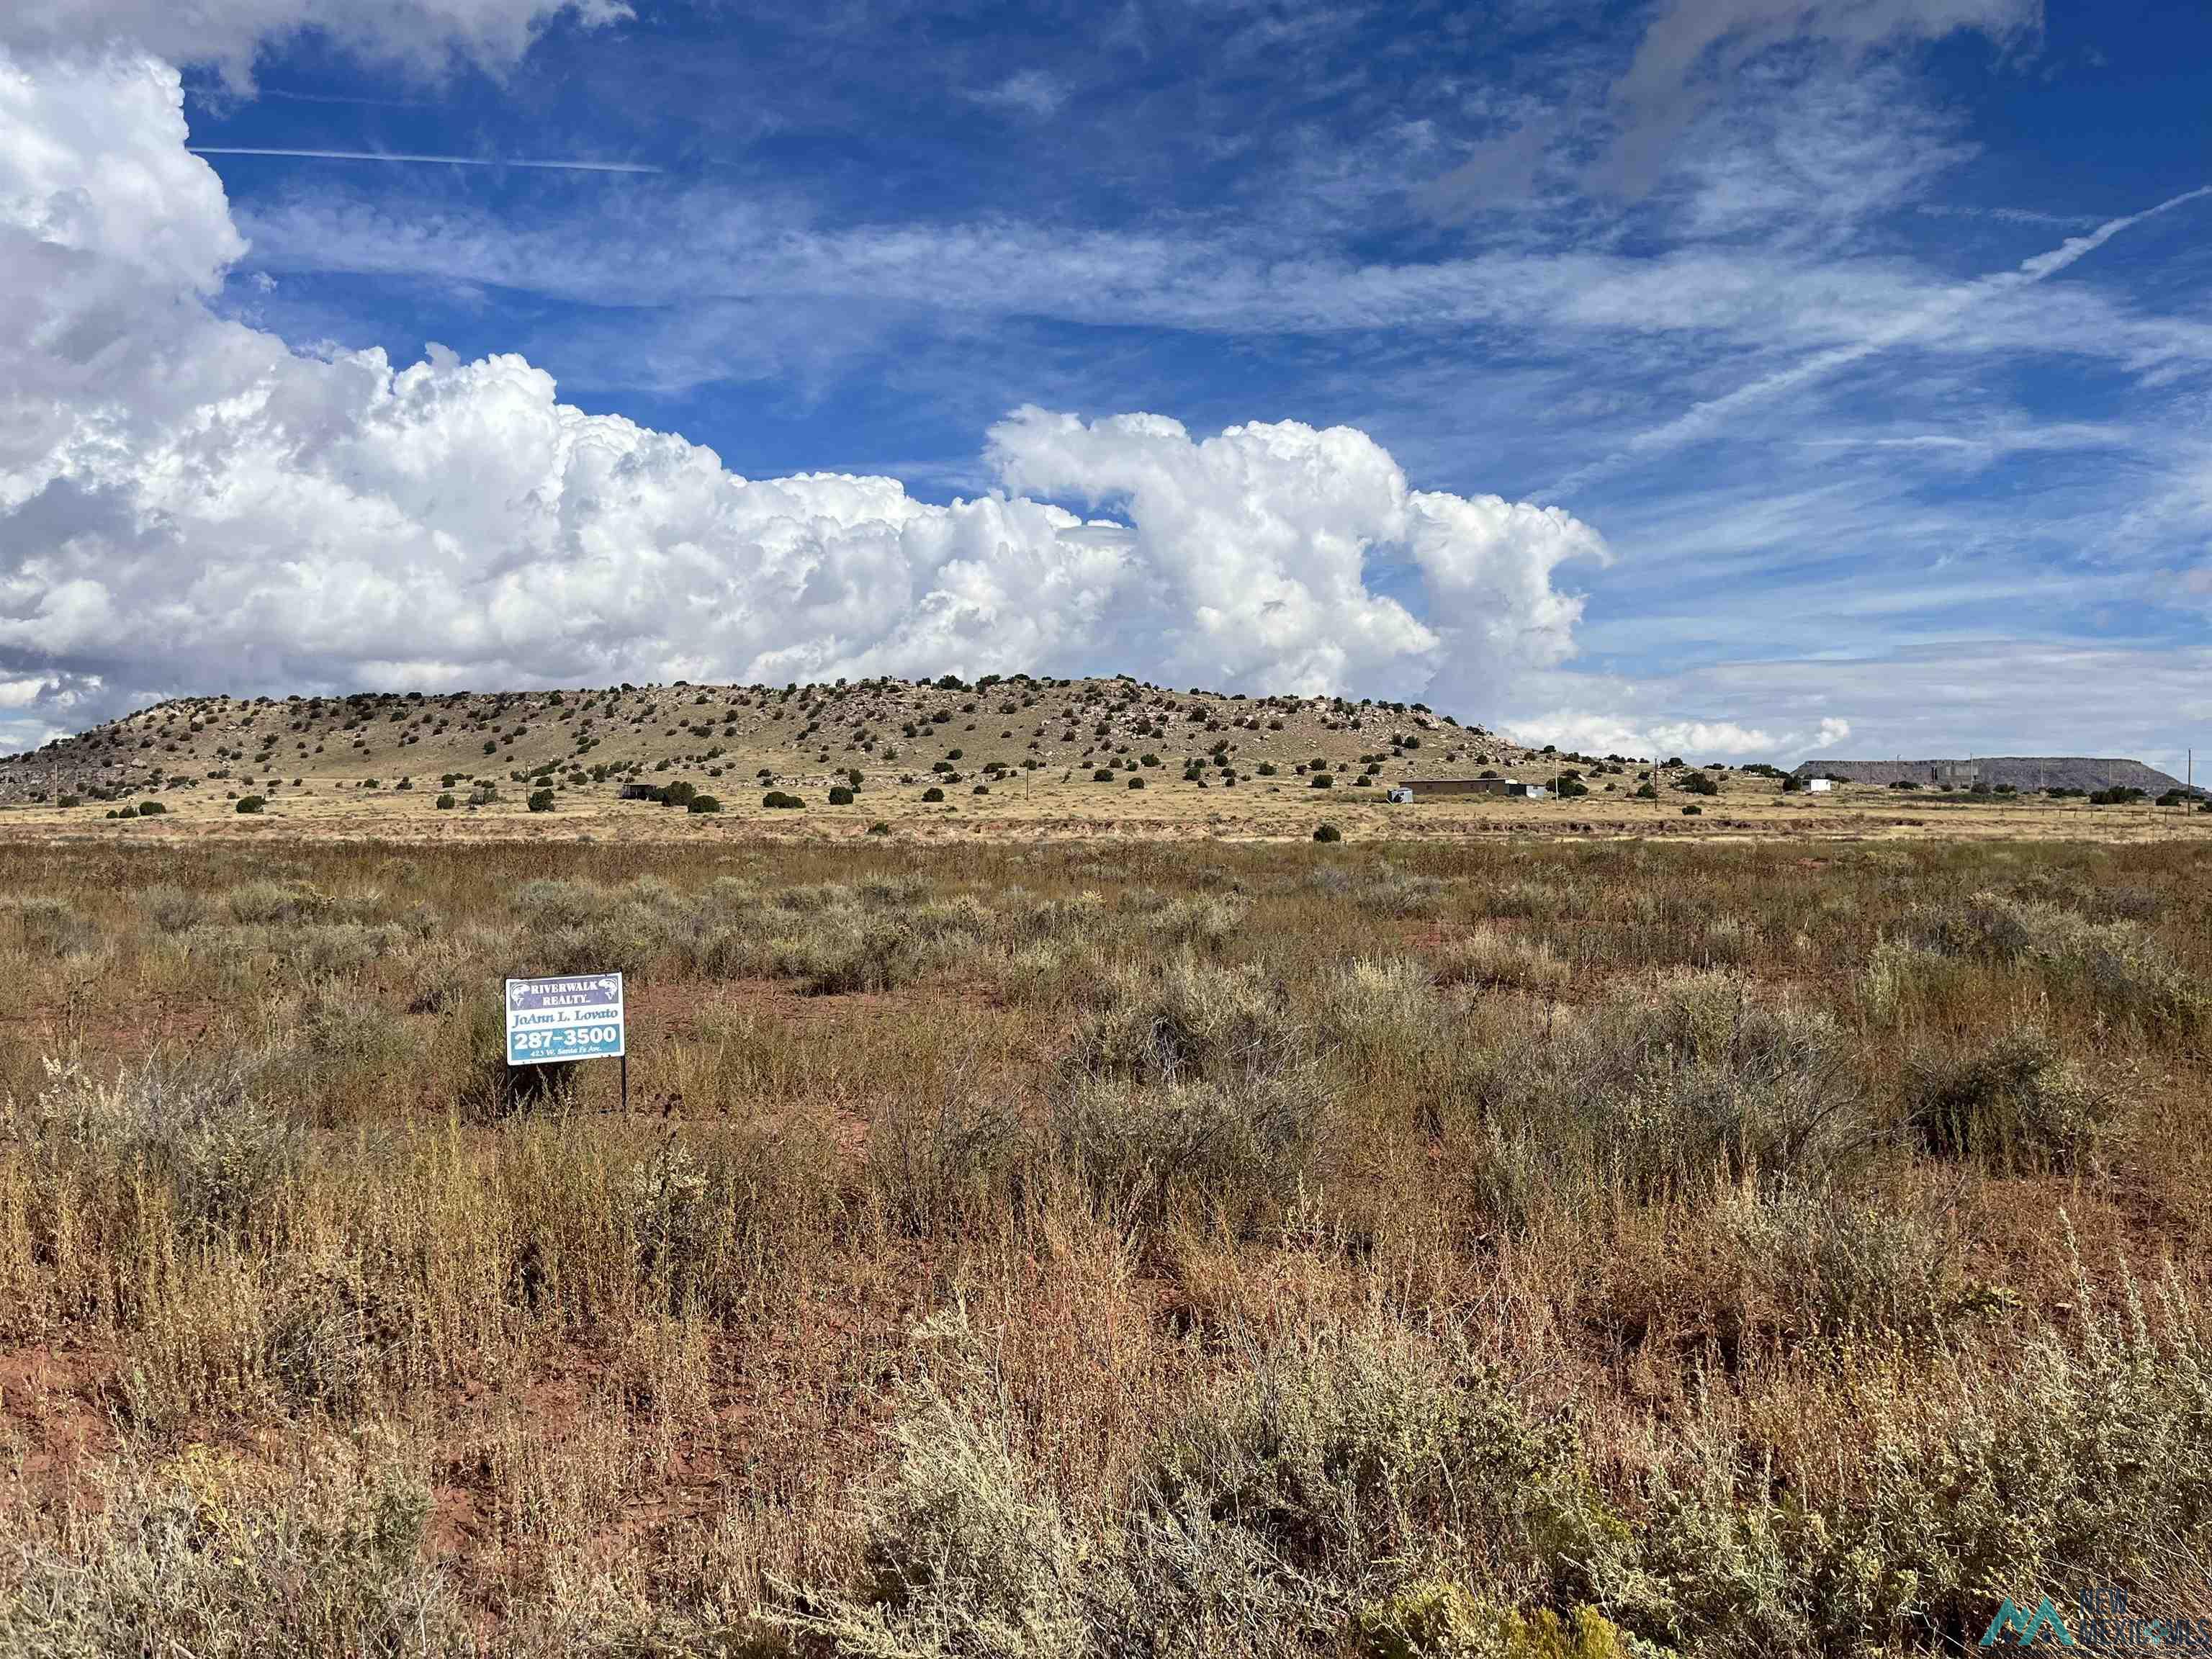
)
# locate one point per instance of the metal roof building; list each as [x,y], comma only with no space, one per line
[1427,788]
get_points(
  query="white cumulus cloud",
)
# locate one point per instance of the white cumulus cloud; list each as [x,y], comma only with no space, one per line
[187,502]
[1604,734]
[423,35]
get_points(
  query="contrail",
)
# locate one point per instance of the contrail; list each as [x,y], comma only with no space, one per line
[396,156]
[1701,417]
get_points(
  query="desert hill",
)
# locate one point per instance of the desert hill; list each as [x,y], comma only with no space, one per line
[2019,772]
[898,736]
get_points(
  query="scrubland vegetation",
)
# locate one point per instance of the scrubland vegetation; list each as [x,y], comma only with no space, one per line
[1536,1251]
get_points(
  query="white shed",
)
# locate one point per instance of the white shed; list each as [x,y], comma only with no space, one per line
[1819,786]
[1398,796]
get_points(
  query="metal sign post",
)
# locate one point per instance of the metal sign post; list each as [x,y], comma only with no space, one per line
[573,1017]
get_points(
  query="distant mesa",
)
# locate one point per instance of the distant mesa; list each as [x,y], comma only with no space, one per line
[678,744]
[2022,772]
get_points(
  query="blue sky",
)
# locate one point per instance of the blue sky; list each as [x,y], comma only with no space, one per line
[1822,317]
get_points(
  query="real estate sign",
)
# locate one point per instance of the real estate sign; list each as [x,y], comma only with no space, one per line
[575,1017]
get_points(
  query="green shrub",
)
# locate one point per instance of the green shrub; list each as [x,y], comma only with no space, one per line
[210,1555]
[53,926]
[879,827]
[2059,1462]
[1103,774]
[2113,964]
[1843,1269]
[173,909]
[949,1165]
[151,809]
[207,1134]
[541,800]
[1440,1616]
[1343,1488]
[840,795]
[1488,957]
[250,804]
[969,1554]
[1328,832]
[2011,1104]
[445,801]
[1670,1090]
[1693,810]
[265,903]
[776,800]
[1229,1156]
[1186,1019]
[932,796]
[1320,780]
[702,804]
[1350,1465]
[845,949]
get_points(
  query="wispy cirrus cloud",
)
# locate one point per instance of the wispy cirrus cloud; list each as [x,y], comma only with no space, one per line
[1931,317]
[1692,48]
[706,242]
[404,158]
[1030,91]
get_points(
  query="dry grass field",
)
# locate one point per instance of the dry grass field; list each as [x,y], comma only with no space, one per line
[1540,1246]
[1746,808]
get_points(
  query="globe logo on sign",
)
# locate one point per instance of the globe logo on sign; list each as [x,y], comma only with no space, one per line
[570,1017]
